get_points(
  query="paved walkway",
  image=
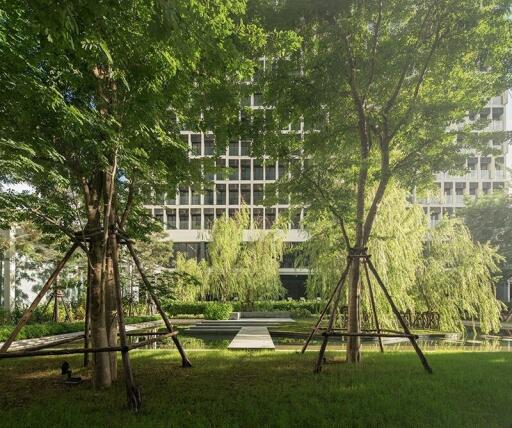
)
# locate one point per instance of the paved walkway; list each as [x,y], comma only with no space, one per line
[21,345]
[252,338]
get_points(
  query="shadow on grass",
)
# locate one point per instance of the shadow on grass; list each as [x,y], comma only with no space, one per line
[226,388]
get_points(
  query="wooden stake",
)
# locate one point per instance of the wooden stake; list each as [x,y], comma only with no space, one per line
[184,358]
[374,308]
[332,317]
[133,393]
[87,314]
[28,313]
[412,338]
[314,330]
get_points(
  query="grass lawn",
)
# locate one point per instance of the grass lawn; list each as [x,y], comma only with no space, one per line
[260,389]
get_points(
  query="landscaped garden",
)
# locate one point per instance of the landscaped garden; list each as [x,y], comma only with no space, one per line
[255,213]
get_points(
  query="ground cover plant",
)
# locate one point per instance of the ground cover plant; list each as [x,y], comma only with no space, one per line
[269,389]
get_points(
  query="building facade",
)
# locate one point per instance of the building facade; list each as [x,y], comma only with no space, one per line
[187,216]
[485,174]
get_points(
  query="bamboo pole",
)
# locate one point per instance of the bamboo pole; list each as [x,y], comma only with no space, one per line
[335,304]
[87,314]
[151,340]
[412,338]
[133,393]
[19,354]
[28,313]
[54,343]
[131,249]
[372,300]
[314,330]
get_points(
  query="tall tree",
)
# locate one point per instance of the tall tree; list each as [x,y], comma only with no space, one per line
[382,87]
[93,97]
[439,270]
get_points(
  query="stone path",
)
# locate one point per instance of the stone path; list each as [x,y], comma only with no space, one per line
[254,337]
[21,345]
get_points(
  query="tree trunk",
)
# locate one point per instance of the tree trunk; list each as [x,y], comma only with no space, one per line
[99,336]
[353,322]
[111,316]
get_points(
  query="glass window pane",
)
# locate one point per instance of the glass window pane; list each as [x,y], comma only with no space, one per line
[246,169]
[258,170]
[245,190]
[171,219]
[221,194]
[234,148]
[234,198]
[195,215]
[270,171]
[233,169]
[183,219]
[184,196]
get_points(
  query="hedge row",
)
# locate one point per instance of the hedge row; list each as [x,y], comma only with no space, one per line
[31,331]
[199,308]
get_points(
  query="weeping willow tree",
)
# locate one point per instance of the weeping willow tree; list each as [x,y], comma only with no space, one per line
[441,271]
[190,280]
[224,250]
[247,270]
[258,269]
[458,278]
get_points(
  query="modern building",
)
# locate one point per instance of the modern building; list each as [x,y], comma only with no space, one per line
[485,174]
[187,215]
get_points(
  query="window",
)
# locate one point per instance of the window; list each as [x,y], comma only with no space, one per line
[258,100]
[258,170]
[208,218]
[195,215]
[221,194]
[257,195]
[270,171]
[281,169]
[234,198]
[246,193]
[159,216]
[257,218]
[246,169]
[183,219]
[209,145]
[208,197]
[233,169]
[220,165]
[184,196]
[270,217]
[171,219]
[245,148]
[219,212]
[196,198]
[196,144]
[234,148]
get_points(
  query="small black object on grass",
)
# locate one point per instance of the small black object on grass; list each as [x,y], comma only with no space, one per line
[66,370]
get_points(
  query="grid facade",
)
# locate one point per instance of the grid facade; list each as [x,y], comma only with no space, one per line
[485,173]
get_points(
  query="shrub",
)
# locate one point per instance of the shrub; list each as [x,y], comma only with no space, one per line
[300,313]
[218,311]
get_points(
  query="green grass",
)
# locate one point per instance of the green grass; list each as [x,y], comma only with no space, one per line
[260,389]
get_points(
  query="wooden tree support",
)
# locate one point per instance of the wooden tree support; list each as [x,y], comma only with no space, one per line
[333,304]
[115,238]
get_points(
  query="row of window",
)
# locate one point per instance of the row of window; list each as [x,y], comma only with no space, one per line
[200,219]
[223,194]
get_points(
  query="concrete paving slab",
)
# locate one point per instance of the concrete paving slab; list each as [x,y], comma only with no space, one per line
[252,338]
